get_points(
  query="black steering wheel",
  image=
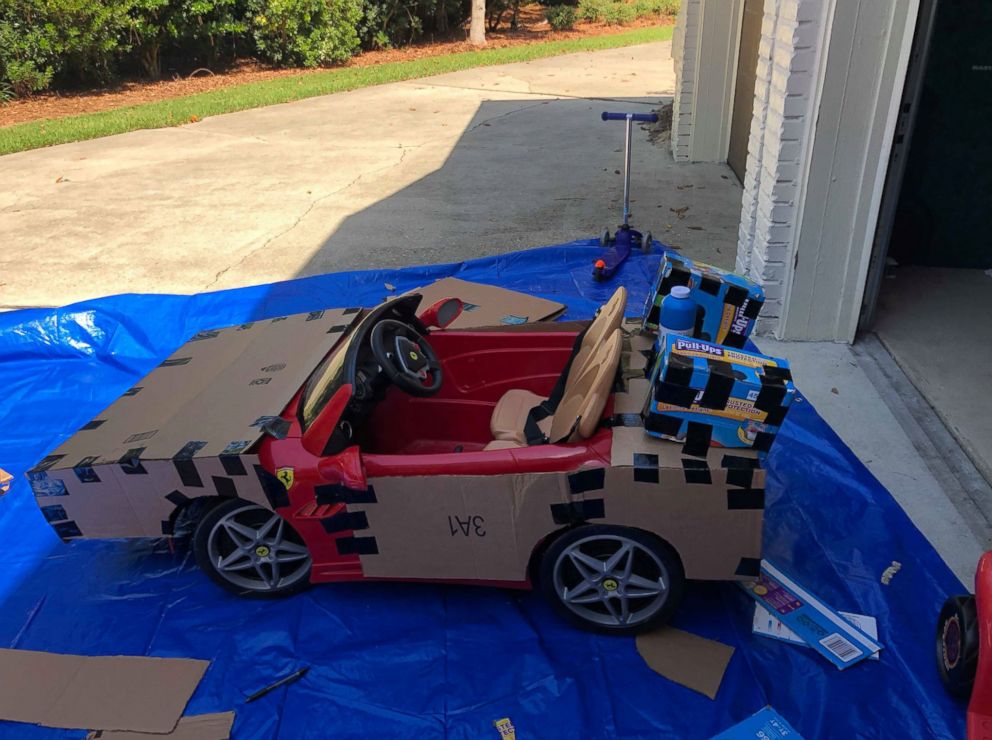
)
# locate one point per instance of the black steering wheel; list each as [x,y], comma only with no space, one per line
[406,357]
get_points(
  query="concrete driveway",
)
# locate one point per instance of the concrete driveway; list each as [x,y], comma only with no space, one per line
[438,169]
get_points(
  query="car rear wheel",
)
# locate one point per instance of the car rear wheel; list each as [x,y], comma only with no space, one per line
[251,550]
[957,644]
[615,580]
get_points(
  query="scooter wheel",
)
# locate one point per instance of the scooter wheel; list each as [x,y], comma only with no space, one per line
[604,239]
[647,242]
[597,273]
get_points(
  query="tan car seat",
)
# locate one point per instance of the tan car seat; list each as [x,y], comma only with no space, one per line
[581,408]
[510,415]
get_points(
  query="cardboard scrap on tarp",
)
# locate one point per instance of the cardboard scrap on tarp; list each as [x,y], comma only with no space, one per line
[487,305]
[687,659]
[196,727]
[116,692]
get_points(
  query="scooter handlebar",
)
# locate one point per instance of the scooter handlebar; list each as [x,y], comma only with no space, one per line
[646,117]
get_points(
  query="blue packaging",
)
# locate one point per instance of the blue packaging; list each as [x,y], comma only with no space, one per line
[706,395]
[728,304]
[766,724]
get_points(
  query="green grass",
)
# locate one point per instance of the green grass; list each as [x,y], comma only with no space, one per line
[177,111]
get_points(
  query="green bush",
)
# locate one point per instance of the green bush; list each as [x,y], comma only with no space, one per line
[309,33]
[669,7]
[190,29]
[591,10]
[560,17]
[618,13]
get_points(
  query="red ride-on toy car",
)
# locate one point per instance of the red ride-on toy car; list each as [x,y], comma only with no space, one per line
[964,650]
[353,444]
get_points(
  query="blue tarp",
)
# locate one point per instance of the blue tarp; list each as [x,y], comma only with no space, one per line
[427,661]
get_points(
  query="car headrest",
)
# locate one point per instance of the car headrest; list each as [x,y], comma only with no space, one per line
[583,401]
[607,321]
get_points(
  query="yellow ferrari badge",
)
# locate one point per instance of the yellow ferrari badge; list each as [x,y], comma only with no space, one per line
[285,476]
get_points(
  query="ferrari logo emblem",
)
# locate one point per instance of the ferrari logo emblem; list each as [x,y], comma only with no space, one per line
[285,476]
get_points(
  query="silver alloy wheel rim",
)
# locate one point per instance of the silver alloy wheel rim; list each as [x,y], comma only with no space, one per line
[249,548]
[611,592]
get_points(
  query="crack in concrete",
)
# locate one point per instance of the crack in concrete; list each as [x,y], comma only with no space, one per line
[656,97]
[508,113]
[306,212]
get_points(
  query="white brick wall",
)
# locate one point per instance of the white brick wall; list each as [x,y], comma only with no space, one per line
[685,45]
[788,58]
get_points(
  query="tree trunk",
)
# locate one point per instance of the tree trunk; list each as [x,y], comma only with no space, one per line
[477,29]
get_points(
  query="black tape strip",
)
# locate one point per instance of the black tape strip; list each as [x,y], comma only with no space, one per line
[133,391]
[225,486]
[776,416]
[781,373]
[233,465]
[357,546]
[337,329]
[679,370]
[276,427]
[697,328]
[719,385]
[734,341]
[272,487]
[663,424]
[189,450]
[746,498]
[337,493]
[752,307]
[168,529]
[593,479]
[176,361]
[54,513]
[763,441]
[740,477]
[676,395]
[188,473]
[735,461]
[177,498]
[95,424]
[696,471]
[577,512]
[84,470]
[345,521]
[244,327]
[130,462]
[710,285]
[697,439]
[771,395]
[66,530]
[645,468]
[626,420]
[350,311]
[278,318]
[749,567]
[236,447]
[45,463]
[201,335]
[314,315]
[735,295]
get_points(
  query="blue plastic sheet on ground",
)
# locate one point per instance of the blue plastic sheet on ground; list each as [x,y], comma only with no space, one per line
[428,661]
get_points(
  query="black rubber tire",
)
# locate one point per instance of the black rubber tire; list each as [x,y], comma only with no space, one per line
[200,552]
[597,274]
[957,644]
[662,550]
[646,242]
[604,238]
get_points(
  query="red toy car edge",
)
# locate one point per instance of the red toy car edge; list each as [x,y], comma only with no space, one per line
[495,456]
[964,650]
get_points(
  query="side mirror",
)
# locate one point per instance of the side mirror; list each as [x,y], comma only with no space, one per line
[442,313]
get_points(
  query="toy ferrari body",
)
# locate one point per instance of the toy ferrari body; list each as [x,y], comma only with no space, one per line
[419,456]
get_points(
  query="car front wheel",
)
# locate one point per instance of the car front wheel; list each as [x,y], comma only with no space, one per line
[615,580]
[251,550]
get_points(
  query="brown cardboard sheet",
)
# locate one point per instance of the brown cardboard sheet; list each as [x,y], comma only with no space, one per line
[196,727]
[687,659]
[119,692]
[487,305]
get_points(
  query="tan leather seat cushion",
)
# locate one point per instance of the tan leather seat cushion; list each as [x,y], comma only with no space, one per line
[581,408]
[502,444]
[510,415]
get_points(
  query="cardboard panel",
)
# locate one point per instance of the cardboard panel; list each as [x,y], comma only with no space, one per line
[487,305]
[209,396]
[108,693]
[687,659]
[196,727]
